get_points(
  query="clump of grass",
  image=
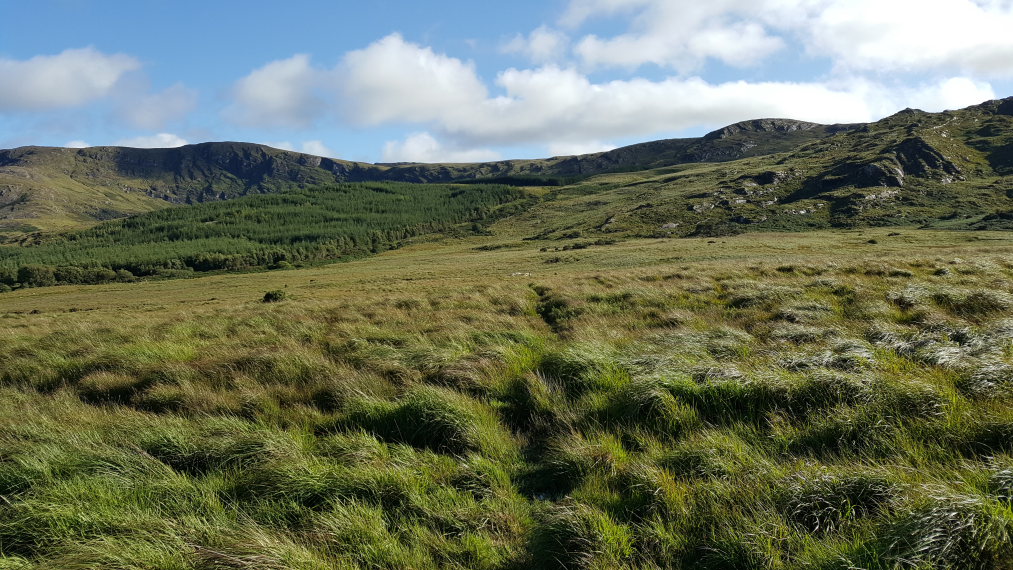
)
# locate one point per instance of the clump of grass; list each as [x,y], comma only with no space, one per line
[555,309]
[579,537]
[582,368]
[801,334]
[649,405]
[108,387]
[950,532]
[757,294]
[975,303]
[822,503]
[845,431]
[990,380]
[733,399]
[429,417]
[569,459]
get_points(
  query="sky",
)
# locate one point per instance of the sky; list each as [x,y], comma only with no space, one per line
[463,81]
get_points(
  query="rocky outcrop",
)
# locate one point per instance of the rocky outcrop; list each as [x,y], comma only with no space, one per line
[919,158]
[762,126]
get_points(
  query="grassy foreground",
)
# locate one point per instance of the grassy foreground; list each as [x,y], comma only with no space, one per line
[823,400]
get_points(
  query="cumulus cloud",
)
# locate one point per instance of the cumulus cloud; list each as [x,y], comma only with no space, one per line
[570,148]
[283,93]
[677,34]
[160,140]
[154,110]
[394,80]
[563,107]
[317,147]
[76,144]
[953,93]
[543,45]
[958,36]
[423,147]
[309,147]
[914,35]
[71,78]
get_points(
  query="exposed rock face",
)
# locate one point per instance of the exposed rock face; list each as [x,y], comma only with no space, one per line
[762,126]
[1005,107]
[879,174]
[918,158]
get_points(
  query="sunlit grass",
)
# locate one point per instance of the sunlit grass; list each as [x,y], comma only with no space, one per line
[751,404]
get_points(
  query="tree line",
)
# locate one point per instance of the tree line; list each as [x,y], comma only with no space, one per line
[325,223]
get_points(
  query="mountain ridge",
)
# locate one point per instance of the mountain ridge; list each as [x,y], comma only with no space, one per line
[49,189]
[53,188]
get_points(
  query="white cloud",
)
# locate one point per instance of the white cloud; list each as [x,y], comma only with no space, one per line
[914,35]
[570,148]
[282,93]
[393,80]
[71,78]
[422,147]
[318,148]
[76,144]
[160,140]
[543,45]
[308,147]
[948,36]
[677,34]
[152,111]
[560,106]
[953,93]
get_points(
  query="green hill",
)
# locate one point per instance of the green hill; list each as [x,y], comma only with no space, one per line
[52,189]
[948,169]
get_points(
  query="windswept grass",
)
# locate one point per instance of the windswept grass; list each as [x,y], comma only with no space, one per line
[429,409]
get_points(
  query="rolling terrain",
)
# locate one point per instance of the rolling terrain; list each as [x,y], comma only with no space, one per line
[767,401]
[48,189]
[782,346]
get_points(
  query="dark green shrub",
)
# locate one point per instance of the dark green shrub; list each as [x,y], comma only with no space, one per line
[36,275]
[274,296]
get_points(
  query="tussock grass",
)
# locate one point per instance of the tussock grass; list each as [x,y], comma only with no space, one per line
[731,408]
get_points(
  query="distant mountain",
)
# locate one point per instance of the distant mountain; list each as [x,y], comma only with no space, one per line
[912,167]
[952,169]
[50,189]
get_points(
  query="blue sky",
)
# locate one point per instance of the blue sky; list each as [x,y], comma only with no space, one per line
[463,81]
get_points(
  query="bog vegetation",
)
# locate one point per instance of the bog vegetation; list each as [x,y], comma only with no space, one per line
[343,221]
[647,404]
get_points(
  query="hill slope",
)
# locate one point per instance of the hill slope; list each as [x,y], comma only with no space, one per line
[948,169]
[51,189]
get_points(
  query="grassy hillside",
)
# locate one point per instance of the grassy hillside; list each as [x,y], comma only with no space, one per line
[947,169]
[805,400]
[54,189]
[256,232]
[766,174]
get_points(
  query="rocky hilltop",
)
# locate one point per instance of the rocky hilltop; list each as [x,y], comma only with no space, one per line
[49,189]
[45,188]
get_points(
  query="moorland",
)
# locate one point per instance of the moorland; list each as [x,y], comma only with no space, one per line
[704,353]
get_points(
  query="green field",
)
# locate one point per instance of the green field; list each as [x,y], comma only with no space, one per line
[831,400]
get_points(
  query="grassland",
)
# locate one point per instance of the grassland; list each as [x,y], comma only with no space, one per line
[825,400]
